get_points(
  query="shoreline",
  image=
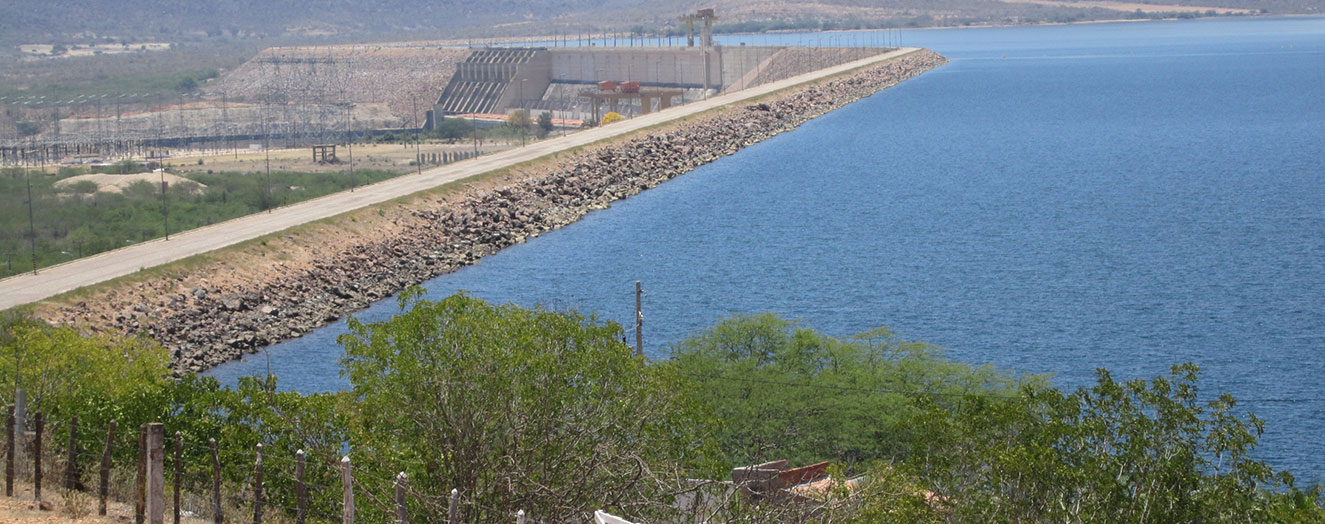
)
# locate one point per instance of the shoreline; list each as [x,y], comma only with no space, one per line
[224,308]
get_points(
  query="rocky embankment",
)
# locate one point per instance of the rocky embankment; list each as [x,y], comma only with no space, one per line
[211,315]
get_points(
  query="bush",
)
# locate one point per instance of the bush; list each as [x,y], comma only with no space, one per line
[518,119]
[769,382]
[1140,451]
[544,123]
[612,117]
[453,128]
[535,410]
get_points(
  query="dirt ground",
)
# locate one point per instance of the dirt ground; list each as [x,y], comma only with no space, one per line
[21,509]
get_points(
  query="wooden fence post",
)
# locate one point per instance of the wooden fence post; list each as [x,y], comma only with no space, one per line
[105,469]
[9,453]
[217,516]
[401,516]
[300,493]
[156,473]
[21,420]
[140,485]
[453,508]
[179,468]
[36,459]
[71,480]
[257,487]
[347,480]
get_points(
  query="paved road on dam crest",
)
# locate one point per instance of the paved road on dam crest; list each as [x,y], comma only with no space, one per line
[51,281]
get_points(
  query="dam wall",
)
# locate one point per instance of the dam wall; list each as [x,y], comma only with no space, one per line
[500,80]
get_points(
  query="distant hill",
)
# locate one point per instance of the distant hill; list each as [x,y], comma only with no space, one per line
[353,19]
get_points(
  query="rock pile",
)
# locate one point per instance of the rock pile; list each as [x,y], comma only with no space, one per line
[208,325]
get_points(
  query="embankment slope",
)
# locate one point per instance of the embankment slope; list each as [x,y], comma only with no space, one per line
[216,307]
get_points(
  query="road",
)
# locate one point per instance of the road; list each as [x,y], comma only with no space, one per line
[53,280]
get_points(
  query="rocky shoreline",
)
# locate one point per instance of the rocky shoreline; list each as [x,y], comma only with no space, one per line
[210,315]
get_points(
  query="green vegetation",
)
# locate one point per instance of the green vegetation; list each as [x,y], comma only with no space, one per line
[543,411]
[551,413]
[75,220]
[160,85]
[767,381]
[545,125]
[518,119]
[452,129]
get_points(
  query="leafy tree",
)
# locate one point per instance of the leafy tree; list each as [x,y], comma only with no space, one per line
[1137,452]
[62,369]
[518,119]
[453,128]
[518,409]
[786,392]
[186,85]
[544,123]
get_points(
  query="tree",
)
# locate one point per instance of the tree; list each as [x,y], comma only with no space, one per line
[65,372]
[544,123]
[1140,451]
[518,409]
[186,85]
[452,128]
[612,117]
[786,392]
[518,119]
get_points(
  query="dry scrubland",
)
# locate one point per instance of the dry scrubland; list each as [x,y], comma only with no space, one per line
[404,76]
[214,307]
[388,85]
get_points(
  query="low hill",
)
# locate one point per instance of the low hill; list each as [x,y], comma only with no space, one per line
[84,19]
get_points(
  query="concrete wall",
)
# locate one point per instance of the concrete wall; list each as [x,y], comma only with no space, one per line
[669,66]
[737,61]
[530,81]
[719,68]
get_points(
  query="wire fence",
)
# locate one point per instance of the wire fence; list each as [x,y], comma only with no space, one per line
[184,479]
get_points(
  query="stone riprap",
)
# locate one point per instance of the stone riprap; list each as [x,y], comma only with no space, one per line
[215,312]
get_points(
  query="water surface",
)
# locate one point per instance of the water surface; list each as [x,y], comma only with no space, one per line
[1055,200]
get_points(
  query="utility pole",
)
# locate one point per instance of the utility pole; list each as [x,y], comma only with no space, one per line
[32,223]
[418,159]
[473,128]
[524,127]
[165,212]
[266,149]
[639,320]
[349,143]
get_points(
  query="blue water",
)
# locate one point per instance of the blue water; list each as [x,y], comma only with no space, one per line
[1055,200]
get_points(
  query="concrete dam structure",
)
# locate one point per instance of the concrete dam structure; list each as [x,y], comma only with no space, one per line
[570,81]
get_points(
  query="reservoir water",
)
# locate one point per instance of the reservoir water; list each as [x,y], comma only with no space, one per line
[1057,199]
